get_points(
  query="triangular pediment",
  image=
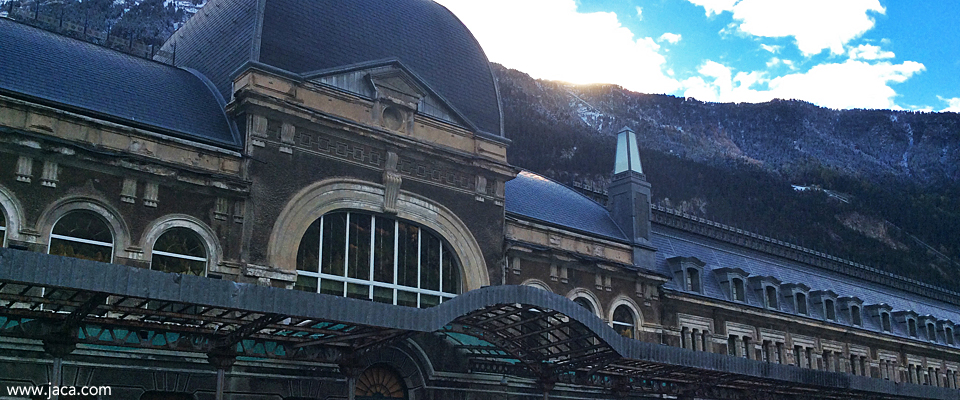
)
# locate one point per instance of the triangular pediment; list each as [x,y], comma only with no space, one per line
[391,81]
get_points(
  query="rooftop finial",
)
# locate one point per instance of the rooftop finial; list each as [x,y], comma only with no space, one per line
[628,157]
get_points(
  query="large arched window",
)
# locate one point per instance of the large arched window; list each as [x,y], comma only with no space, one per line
[181,251]
[375,257]
[624,321]
[82,234]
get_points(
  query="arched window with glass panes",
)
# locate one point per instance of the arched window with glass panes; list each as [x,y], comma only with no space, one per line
[181,251]
[624,321]
[375,257]
[82,234]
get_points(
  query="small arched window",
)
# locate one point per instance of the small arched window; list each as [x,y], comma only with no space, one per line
[378,258]
[624,321]
[771,293]
[739,292]
[82,234]
[948,334]
[912,327]
[830,309]
[931,332]
[855,316]
[583,302]
[181,251]
[801,303]
[885,321]
[693,280]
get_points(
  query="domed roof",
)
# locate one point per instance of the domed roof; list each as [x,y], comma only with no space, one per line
[307,36]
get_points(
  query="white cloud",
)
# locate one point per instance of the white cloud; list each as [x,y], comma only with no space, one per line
[953,105]
[816,25]
[772,49]
[869,52]
[850,84]
[671,38]
[715,7]
[639,12]
[549,39]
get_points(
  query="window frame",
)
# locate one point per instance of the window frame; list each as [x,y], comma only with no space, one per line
[198,236]
[371,282]
[113,235]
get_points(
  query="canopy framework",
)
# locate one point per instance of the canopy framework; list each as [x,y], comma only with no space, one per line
[505,329]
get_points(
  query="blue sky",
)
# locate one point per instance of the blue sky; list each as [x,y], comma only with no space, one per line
[834,53]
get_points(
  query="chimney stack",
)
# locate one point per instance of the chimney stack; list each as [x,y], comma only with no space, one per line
[629,198]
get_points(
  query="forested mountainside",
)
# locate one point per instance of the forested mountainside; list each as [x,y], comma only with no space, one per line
[878,187]
[875,186]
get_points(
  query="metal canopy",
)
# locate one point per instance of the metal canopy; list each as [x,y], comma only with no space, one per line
[503,329]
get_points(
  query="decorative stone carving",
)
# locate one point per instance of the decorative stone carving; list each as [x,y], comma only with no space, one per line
[128,194]
[150,192]
[221,209]
[49,176]
[238,210]
[258,130]
[391,183]
[287,132]
[24,169]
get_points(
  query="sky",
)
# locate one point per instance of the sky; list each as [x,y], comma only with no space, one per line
[843,54]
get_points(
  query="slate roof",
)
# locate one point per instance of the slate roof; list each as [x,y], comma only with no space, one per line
[306,36]
[536,197]
[41,66]
[716,254]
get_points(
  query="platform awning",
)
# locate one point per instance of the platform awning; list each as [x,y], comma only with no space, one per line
[515,330]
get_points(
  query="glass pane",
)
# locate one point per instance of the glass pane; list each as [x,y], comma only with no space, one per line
[309,251]
[359,251]
[181,241]
[83,225]
[429,262]
[178,265]
[61,247]
[383,295]
[623,314]
[427,301]
[584,303]
[407,254]
[408,299]
[334,236]
[328,286]
[451,272]
[383,251]
[358,291]
[306,284]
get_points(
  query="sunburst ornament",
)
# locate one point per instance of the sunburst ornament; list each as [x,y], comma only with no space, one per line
[380,383]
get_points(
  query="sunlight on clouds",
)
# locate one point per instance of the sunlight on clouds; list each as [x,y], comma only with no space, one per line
[953,104]
[851,84]
[671,38]
[715,7]
[549,39]
[869,52]
[772,49]
[815,24]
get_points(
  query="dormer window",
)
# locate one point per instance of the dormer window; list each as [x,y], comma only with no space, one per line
[830,309]
[693,280]
[738,290]
[855,318]
[947,332]
[768,289]
[796,296]
[912,327]
[734,280]
[688,271]
[771,296]
[882,313]
[801,300]
[931,332]
[911,323]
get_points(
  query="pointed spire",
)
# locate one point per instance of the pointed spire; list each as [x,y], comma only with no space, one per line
[628,156]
